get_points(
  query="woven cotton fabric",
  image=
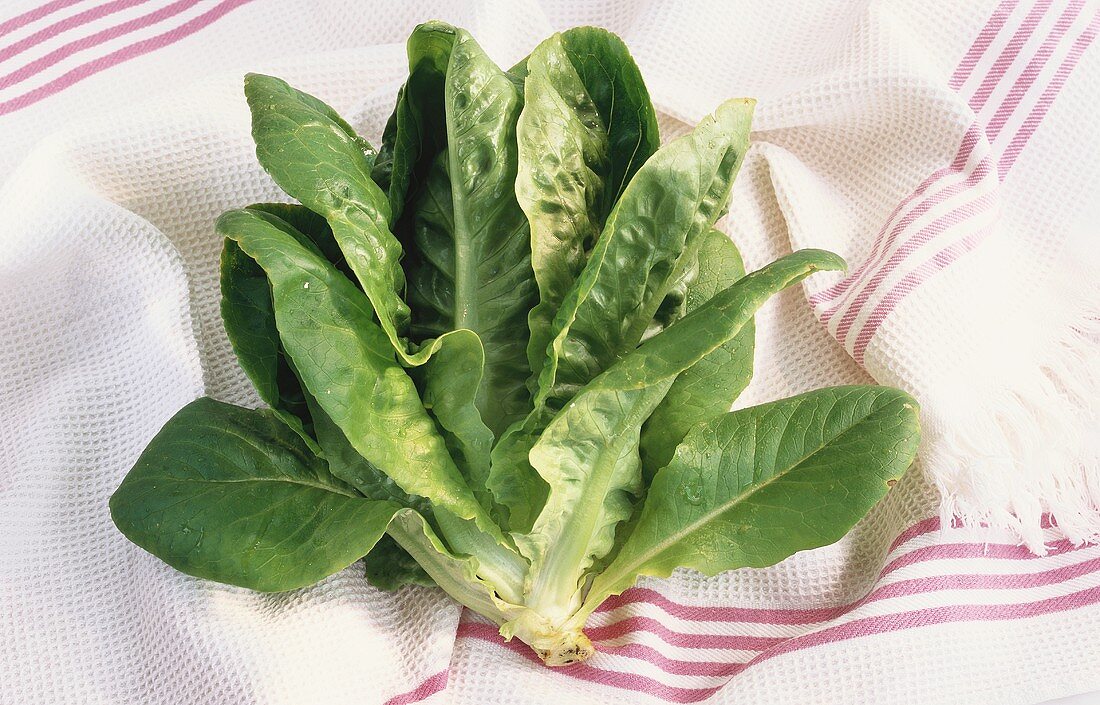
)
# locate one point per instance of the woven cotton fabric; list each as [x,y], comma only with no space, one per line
[944,149]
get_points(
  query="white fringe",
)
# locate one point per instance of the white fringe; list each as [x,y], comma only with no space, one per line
[1031,447]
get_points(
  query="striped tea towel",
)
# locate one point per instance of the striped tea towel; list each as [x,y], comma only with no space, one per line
[946,149]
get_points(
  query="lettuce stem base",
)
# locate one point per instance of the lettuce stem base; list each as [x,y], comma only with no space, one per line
[556,645]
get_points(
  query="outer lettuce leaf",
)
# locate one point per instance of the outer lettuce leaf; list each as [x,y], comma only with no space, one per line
[710,386]
[312,232]
[249,316]
[615,85]
[235,495]
[650,237]
[416,131]
[588,455]
[563,165]
[472,249]
[346,363]
[752,487]
[316,158]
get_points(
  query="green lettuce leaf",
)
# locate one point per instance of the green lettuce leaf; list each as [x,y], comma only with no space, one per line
[345,362]
[316,158]
[416,130]
[235,495]
[710,386]
[652,234]
[587,126]
[615,86]
[249,316]
[470,266]
[588,455]
[752,487]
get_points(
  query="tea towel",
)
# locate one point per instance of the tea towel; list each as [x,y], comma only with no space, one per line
[945,149]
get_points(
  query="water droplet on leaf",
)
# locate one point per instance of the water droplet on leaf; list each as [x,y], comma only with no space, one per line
[692,490]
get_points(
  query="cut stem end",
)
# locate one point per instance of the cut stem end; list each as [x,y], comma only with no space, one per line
[564,648]
[556,646]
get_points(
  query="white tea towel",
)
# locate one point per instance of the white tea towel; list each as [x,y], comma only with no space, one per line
[945,149]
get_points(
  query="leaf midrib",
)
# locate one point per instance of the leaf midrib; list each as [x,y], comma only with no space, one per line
[465,264]
[314,485]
